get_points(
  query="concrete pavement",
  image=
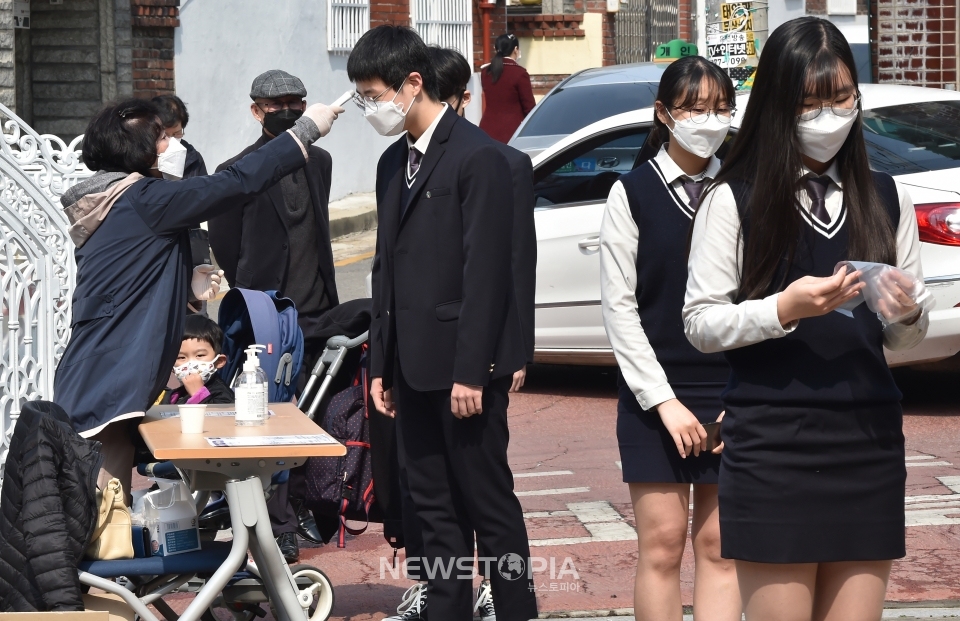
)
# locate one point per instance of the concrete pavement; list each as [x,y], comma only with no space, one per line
[564,454]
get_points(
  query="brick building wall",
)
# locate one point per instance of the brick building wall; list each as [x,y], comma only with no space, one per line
[396,12]
[498,26]
[915,42]
[153,23]
[686,26]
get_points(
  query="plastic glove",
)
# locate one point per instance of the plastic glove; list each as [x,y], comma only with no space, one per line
[206,282]
[323,116]
[893,294]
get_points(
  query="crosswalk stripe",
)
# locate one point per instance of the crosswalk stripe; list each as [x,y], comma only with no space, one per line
[553,492]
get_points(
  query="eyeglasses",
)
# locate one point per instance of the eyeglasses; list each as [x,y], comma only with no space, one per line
[370,103]
[838,108]
[699,116]
[277,106]
[177,134]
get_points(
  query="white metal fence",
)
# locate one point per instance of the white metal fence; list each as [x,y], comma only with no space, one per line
[37,269]
[347,20]
[446,23]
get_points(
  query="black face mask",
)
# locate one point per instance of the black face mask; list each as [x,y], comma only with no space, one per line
[280,121]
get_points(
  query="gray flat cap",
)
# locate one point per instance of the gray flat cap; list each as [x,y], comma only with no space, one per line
[276,83]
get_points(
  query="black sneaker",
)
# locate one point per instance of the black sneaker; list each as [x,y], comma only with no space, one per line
[289,547]
[484,605]
[414,605]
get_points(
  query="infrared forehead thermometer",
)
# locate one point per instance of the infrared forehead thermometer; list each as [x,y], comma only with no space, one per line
[343,99]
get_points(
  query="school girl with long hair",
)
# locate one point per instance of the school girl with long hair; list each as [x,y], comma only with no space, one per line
[668,389]
[812,475]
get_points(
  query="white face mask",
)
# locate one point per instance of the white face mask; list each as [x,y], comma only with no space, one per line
[205,369]
[172,161]
[822,137]
[388,116]
[701,139]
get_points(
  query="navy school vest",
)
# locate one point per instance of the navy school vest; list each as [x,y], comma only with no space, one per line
[664,221]
[828,361]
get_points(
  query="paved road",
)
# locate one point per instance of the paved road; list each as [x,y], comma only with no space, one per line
[564,455]
[563,452]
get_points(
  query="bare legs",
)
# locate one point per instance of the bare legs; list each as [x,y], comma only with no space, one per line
[847,591]
[662,513]
[716,596]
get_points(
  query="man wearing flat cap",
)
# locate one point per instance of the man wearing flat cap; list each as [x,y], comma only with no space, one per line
[280,240]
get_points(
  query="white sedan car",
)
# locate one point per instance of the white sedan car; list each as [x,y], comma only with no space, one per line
[912,133]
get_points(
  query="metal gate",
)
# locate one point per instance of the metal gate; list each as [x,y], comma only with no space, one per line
[642,25]
[37,269]
[446,23]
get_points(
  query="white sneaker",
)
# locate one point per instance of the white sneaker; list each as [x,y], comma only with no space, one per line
[414,605]
[484,605]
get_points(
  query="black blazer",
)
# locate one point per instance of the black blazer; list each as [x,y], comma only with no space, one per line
[443,297]
[524,242]
[251,244]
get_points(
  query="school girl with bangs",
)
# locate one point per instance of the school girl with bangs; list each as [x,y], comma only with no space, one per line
[668,390]
[812,477]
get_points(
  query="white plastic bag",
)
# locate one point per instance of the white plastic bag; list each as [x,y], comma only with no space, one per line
[884,289]
[171,516]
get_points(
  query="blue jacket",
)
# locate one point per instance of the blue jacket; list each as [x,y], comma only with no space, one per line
[133,276]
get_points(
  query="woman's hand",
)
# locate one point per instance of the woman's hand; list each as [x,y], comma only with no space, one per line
[193,383]
[719,448]
[813,297]
[687,432]
[206,282]
[895,304]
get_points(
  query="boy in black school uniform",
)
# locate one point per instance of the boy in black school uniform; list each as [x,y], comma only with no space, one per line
[446,336]
[199,360]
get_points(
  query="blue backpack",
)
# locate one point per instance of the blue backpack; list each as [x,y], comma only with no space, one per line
[248,317]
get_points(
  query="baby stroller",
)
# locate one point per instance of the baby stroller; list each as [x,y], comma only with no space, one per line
[247,317]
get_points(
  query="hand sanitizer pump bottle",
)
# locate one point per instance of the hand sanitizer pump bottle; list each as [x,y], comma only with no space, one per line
[251,391]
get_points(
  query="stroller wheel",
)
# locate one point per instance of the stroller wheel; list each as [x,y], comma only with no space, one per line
[315,589]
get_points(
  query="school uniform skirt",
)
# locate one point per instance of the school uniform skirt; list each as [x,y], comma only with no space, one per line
[812,485]
[647,452]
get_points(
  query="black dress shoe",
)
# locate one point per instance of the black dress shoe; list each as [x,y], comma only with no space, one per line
[289,547]
[307,526]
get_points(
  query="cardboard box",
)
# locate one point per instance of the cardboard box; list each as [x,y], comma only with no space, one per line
[87,615]
[113,605]
[175,532]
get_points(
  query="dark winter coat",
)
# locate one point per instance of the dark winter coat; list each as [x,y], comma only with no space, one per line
[48,511]
[133,274]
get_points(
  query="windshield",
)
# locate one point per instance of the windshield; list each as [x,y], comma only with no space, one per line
[569,109]
[913,138]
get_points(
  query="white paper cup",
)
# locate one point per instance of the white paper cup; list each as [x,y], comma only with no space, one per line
[192,417]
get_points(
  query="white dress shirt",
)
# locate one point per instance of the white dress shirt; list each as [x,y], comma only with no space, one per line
[619,239]
[423,141]
[713,322]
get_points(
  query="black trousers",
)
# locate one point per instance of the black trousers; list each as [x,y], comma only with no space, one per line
[461,484]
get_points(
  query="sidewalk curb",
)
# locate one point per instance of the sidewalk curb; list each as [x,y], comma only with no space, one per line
[352,214]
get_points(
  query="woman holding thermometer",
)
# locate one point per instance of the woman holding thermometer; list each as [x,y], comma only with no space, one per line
[669,392]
